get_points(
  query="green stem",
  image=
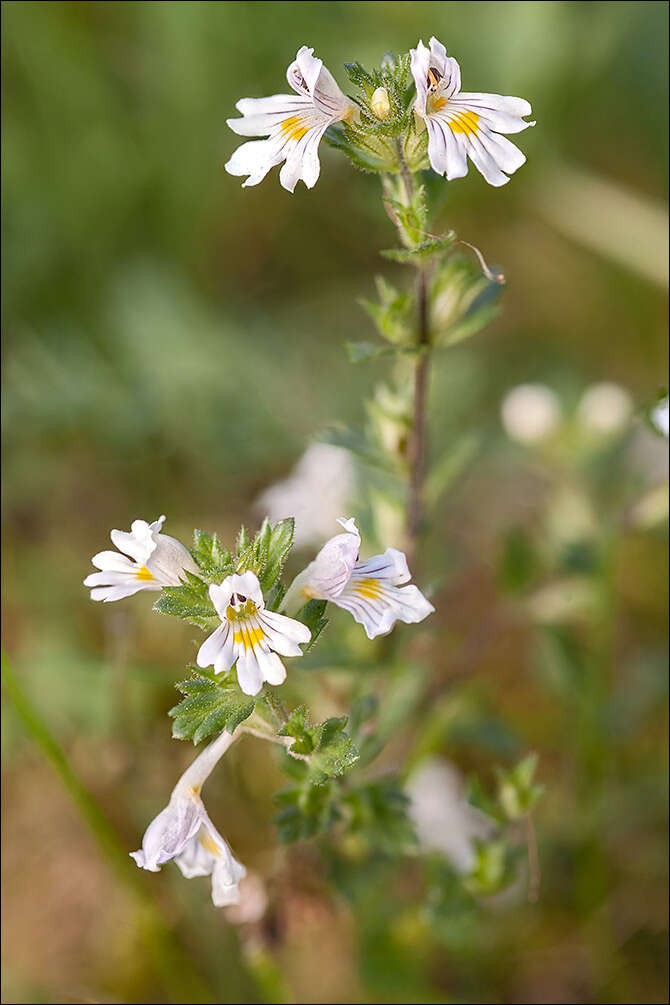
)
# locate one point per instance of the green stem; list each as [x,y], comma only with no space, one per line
[173,966]
[276,705]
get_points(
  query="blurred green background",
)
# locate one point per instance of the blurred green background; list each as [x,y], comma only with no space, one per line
[172,342]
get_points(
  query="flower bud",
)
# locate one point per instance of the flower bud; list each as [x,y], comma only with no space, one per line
[380,104]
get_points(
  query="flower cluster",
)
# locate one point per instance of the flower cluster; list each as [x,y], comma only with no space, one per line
[250,637]
[460,124]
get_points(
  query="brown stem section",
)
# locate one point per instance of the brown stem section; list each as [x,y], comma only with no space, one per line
[417,442]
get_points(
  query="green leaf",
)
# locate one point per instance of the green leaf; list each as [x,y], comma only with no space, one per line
[305,812]
[328,750]
[517,793]
[361,352]
[190,602]
[393,315]
[242,543]
[211,557]
[418,254]
[277,545]
[312,616]
[378,813]
[209,706]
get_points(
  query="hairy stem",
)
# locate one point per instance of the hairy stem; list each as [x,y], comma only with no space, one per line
[276,705]
[417,441]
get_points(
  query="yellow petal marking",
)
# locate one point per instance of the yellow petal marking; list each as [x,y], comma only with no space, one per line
[248,636]
[144,575]
[209,845]
[369,588]
[293,128]
[465,122]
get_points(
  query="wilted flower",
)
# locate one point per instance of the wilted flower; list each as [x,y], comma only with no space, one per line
[155,560]
[530,412]
[184,832]
[294,125]
[605,408]
[250,635]
[461,124]
[371,591]
[324,472]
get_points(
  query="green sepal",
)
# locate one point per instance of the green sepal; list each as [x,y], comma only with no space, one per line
[328,750]
[211,704]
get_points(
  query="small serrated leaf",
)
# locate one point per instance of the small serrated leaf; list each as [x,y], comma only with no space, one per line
[209,706]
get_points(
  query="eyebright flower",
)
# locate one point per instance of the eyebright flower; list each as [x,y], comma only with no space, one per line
[371,591]
[155,560]
[184,832]
[464,125]
[294,125]
[250,635]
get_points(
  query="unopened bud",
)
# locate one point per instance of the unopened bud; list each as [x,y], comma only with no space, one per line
[380,104]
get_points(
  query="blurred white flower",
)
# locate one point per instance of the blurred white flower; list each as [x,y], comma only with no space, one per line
[371,591]
[184,832]
[530,412]
[605,408]
[155,560]
[316,491]
[443,819]
[250,635]
[294,125]
[660,417]
[462,125]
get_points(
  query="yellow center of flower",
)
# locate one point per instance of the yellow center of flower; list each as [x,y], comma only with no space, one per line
[144,575]
[248,636]
[293,128]
[465,122]
[369,588]
[209,845]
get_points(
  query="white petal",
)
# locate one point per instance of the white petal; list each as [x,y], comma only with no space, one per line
[263,115]
[255,159]
[507,156]
[377,605]
[217,649]
[280,627]
[112,561]
[504,103]
[249,674]
[497,120]
[391,567]
[221,596]
[169,560]
[420,64]
[448,67]
[485,162]
[330,571]
[248,586]
[271,667]
[169,832]
[446,155]
[111,593]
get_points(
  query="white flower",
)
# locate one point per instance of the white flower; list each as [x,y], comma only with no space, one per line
[293,125]
[371,591]
[444,820]
[462,125]
[530,412]
[605,408]
[155,560]
[660,417]
[324,472]
[250,635]
[184,832]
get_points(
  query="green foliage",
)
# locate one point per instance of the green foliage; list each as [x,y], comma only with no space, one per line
[266,554]
[419,253]
[305,811]
[328,750]
[211,703]
[462,301]
[190,602]
[212,558]
[517,791]
[492,870]
[393,315]
[312,616]
[377,812]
